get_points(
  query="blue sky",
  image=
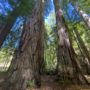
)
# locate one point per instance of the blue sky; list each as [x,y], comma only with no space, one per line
[5,6]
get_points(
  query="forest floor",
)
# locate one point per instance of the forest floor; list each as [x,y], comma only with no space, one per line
[48,82]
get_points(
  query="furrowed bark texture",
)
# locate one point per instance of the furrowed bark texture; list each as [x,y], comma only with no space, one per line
[85,17]
[84,50]
[66,52]
[5,29]
[84,58]
[25,67]
[82,47]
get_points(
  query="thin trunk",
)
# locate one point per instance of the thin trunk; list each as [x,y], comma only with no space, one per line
[18,50]
[88,34]
[85,60]
[5,29]
[66,51]
[27,63]
[87,31]
[85,17]
[84,50]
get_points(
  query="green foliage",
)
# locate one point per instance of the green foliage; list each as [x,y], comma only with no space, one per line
[23,7]
[79,24]
[19,8]
[3,70]
[51,35]
[11,43]
[31,83]
[5,53]
[50,43]
[85,4]
[2,19]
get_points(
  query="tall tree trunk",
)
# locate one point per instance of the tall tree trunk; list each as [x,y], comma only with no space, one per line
[5,29]
[85,17]
[27,63]
[84,58]
[82,48]
[41,39]
[41,52]
[66,51]
[82,45]
[18,50]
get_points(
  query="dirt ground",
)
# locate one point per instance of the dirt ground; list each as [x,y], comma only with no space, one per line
[48,83]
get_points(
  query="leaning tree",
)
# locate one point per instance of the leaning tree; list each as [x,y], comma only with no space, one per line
[67,57]
[26,65]
[21,8]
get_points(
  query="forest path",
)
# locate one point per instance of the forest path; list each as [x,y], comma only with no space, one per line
[48,82]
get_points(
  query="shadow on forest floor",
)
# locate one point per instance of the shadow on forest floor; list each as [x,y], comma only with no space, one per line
[48,82]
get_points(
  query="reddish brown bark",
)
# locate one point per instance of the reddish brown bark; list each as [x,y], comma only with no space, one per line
[85,17]
[66,52]
[82,47]
[84,50]
[26,65]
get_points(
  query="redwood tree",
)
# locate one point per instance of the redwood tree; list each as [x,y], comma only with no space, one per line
[66,52]
[28,61]
[85,16]
[82,47]
[18,11]
[6,27]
